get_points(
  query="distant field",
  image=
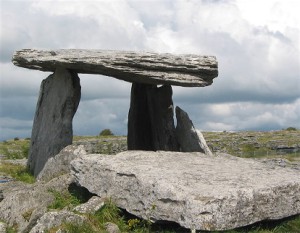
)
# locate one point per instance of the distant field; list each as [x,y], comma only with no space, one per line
[256,144]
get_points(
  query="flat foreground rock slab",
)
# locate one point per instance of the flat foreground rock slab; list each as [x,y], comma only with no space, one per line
[142,67]
[197,191]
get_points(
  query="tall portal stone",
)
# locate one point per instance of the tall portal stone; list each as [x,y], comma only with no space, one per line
[52,128]
[162,118]
[139,124]
[150,118]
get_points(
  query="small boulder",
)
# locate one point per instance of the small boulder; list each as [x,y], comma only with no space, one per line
[56,218]
[60,163]
[94,204]
[112,228]
[23,204]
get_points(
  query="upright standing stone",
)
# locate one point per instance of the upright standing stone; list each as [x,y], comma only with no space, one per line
[139,125]
[52,128]
[162,118]
[150,118]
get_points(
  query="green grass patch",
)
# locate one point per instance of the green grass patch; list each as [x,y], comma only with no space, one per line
[17,171]
[11,229]
[63,200]
[70,198]
[15,149]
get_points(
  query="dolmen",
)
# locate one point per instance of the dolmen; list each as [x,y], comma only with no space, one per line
[168,173]
[150,120]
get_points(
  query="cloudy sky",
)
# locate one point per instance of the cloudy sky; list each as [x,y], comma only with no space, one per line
[257,44]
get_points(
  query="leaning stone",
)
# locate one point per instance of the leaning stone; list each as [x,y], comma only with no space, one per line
[135,67]
[189,139]
[94,204]
[202,143]
[112,228]
[60,163]
[52,127]
[55,219]
[195,190]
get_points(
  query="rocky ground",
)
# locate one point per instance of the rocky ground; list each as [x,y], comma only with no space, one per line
[30,202]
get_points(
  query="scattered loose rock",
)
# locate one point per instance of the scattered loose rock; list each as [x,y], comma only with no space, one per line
[112,228]
[23,204]
[56,218]
[94,204]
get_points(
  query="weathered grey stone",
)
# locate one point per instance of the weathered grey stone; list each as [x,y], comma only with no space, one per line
[23,204]
[189,139]
[112,228]
[52,127]
[60,163]
[150,119]
[161,114]
[3,227]
[141,67]
[197,191]
[22,162]
[56,218]
[139,135]
[94,204]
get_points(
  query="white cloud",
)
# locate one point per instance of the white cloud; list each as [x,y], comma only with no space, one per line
[276,15]
[256,44]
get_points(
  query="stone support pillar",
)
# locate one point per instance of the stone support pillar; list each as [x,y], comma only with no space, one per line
[52,127]
[150,118]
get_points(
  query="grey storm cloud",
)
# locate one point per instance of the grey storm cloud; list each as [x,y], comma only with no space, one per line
[258,84]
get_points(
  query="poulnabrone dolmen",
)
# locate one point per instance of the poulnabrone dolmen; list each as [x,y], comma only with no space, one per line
[150,118]
[168,174]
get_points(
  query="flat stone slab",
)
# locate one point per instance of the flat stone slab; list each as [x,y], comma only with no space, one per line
[195,190]
[142,67]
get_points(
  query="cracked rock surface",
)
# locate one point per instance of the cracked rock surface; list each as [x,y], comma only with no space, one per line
[195,190]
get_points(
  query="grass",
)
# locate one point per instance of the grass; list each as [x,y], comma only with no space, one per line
[18,172]
[254,144]
[63,200]
[69,199]
[15,149]
[11,229]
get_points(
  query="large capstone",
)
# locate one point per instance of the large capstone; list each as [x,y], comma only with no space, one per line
[137,67]
[52,128]
[195,190]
